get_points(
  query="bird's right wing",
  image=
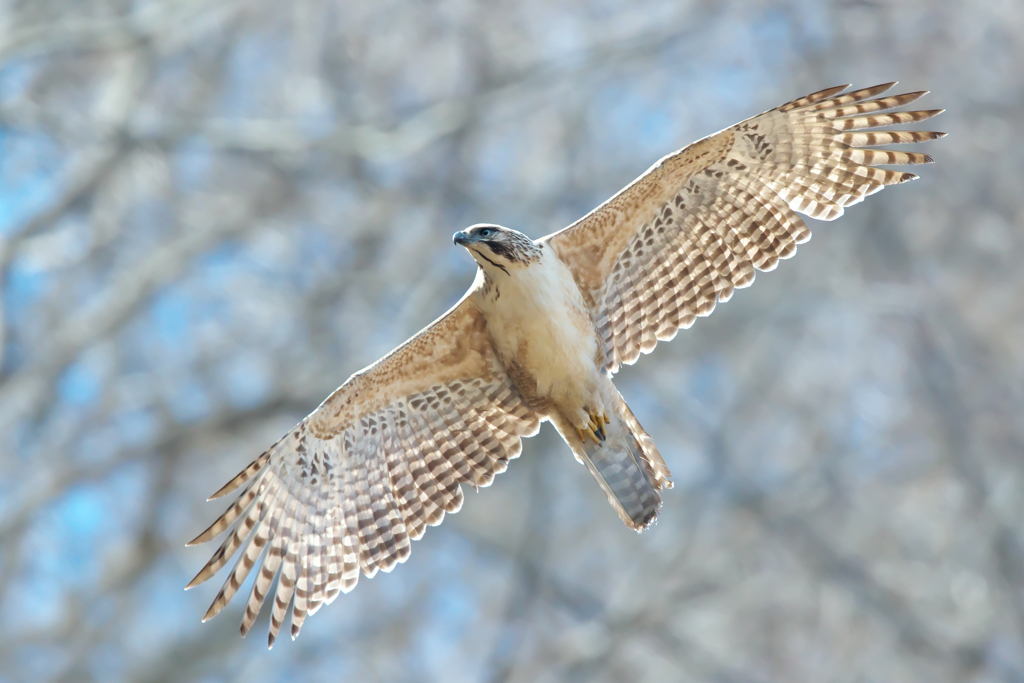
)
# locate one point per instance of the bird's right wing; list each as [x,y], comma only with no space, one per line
[681,237]
[381,459]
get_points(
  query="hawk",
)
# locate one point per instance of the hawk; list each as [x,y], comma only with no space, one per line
[539,336]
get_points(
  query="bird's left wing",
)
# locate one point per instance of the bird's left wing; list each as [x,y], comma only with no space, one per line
[695,226]
[377,462]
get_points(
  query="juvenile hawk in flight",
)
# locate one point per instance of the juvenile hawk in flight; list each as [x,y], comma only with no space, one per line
[538,337]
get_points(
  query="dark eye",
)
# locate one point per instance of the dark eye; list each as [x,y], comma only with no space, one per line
[486,232]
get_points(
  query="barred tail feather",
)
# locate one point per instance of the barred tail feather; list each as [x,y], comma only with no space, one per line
[653,464]
[627,467]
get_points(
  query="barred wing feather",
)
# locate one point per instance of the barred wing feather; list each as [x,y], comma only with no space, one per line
[700,222]
[356,481]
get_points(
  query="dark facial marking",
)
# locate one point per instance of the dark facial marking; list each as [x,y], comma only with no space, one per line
[497,265]
[503,250]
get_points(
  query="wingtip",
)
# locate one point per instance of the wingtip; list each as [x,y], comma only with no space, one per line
[203,575]
[204,536]
[211,612]
[220,493]
[246,624]
[215,609]
[227,488]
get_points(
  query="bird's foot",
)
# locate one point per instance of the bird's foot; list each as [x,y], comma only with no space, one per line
[595,428]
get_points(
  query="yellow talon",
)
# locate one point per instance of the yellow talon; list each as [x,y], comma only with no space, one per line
[606,420]
[595,429]
[584,433]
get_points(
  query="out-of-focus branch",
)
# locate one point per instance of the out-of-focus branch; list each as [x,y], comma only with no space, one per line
[118,33]
[91,171]
[217,220]
[370,142]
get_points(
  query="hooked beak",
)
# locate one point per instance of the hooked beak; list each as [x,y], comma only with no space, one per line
[461,238]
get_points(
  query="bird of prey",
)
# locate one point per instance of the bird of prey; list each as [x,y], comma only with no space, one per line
[539,336]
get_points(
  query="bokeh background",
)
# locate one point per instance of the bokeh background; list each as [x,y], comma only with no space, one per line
[213,211]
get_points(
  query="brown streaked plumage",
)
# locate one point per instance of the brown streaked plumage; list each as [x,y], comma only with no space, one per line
[538,337]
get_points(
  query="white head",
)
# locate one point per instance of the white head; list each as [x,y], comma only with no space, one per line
[498,249]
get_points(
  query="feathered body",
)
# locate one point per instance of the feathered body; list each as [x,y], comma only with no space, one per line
[538,337]
[545,337]
[542,331]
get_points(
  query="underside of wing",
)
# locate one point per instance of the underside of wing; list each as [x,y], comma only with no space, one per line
[382,458]
[700,222]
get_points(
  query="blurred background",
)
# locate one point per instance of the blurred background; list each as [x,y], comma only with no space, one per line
[212,212]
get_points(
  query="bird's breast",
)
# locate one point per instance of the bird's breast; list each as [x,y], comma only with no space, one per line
[541,326]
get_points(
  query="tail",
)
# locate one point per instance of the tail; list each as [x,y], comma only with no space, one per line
[627,466]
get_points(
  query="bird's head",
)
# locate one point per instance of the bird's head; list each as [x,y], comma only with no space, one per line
[498,249]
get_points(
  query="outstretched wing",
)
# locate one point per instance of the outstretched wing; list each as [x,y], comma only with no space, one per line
[363,475]
[681,237]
